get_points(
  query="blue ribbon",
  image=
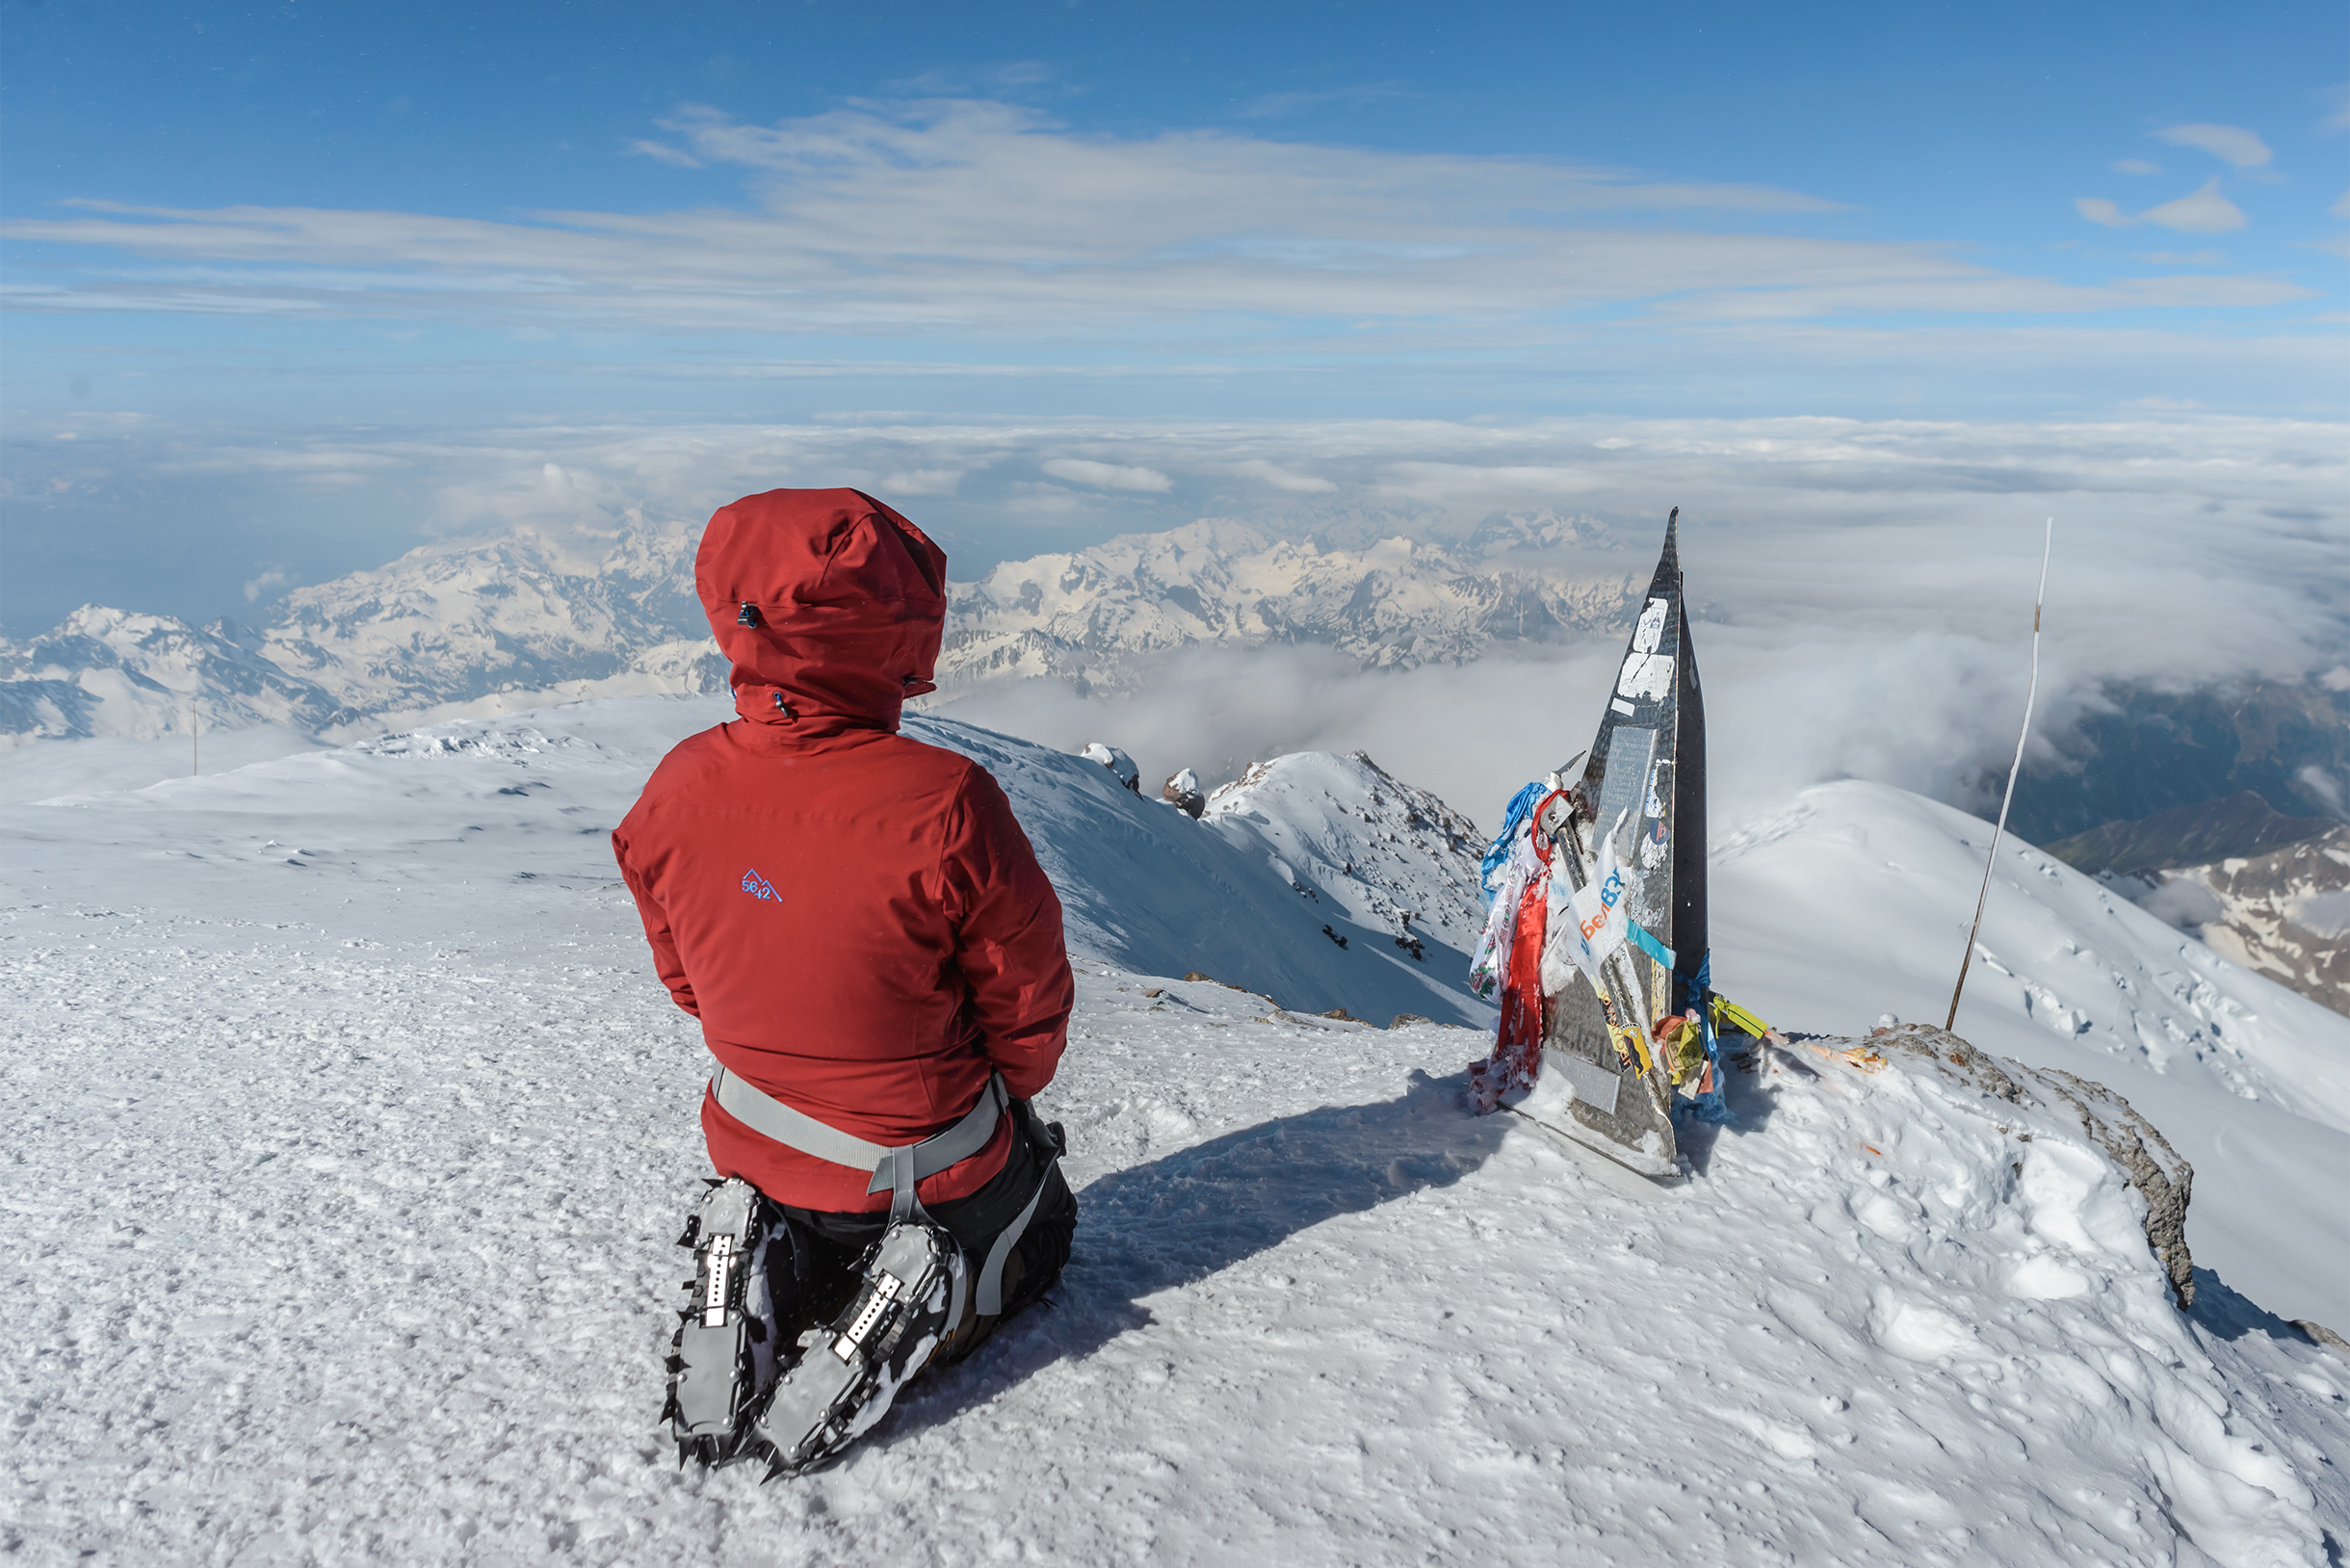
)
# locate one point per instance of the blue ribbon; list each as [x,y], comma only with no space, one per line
[1521,807]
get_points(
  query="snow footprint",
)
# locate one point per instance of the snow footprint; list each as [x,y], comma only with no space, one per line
[2043,1278]
[1916,1332]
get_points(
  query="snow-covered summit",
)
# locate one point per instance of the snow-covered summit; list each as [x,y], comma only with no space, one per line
[527,612]
[1542,529]
[1149,889]
[490,624]
[350,1131]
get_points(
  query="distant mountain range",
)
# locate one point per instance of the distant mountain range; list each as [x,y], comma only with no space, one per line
[2285,913]
[2268,890]
[492,625]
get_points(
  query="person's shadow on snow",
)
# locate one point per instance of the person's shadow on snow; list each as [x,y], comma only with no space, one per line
[1189,1215]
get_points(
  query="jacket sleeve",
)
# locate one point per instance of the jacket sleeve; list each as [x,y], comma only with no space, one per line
[1007,937]
[665,961]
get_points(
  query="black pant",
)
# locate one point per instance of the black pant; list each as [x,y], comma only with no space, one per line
[811,1261]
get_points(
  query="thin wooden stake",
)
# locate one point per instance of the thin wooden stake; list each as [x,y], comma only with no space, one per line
[2046,544]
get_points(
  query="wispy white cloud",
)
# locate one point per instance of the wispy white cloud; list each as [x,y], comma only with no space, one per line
[1283,479]
[2336,116]
[920,482]
[2204,211]
[964,218]
[976,80]
[2342,208]
[2135,166]
[1107,476]
[2232,143]
[662,152]
[2185,258]
[254,588]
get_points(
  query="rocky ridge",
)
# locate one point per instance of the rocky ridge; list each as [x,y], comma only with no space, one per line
[2285,914]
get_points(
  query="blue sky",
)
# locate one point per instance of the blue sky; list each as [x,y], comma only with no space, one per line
[268,267]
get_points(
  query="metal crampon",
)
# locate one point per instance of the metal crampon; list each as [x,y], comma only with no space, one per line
[713,1370]
[847,1375]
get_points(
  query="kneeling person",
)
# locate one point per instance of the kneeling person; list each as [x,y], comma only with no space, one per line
[876,962]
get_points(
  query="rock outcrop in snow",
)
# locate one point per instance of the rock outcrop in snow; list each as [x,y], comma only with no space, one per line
[2162,1179]
[2250,1082]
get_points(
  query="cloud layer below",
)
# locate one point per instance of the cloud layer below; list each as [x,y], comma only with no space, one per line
[1866,585]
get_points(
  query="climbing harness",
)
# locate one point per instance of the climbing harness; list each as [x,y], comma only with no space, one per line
[917,1282]
[895,1171]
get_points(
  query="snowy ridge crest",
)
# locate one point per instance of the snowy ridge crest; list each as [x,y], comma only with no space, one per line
[1380,852]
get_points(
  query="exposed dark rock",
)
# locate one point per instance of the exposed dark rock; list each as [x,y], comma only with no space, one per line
[1182,790]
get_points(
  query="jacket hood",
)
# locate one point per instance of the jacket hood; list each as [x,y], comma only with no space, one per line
[828,604]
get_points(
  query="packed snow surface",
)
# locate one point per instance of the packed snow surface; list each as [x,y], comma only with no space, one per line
[1854,902]
[349,1134]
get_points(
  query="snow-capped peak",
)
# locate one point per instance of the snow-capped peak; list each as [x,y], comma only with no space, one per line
[1352,836]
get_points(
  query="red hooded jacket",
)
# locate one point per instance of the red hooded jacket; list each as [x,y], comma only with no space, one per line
[855,917]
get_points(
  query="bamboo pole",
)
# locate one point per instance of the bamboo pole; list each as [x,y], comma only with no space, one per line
[2030,693]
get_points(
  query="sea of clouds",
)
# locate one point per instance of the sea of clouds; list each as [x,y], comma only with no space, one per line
[1865,587]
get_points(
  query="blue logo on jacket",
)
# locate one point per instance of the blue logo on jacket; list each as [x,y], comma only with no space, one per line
[757,887]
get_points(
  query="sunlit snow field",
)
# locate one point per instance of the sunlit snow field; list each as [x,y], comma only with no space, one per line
[349,1134]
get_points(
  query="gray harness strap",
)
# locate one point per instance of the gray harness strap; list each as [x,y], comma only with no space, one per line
[895,1171]
[990,1302]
